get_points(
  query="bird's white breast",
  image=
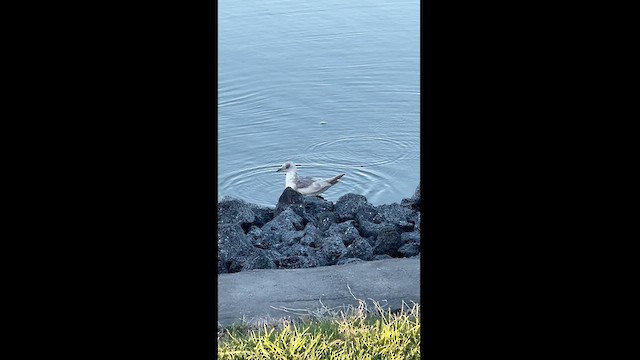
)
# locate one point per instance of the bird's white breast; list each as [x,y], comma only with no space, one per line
[290,180]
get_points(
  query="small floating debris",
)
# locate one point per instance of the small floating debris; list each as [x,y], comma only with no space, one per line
[322,122]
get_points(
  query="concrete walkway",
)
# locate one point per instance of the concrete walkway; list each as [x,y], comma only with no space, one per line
[253,293]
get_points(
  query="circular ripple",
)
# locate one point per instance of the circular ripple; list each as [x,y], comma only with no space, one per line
[362,151]
[260,185]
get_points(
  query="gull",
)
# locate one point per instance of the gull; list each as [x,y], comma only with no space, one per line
[306,185]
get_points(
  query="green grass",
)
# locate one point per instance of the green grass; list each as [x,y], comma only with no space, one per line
[357,333]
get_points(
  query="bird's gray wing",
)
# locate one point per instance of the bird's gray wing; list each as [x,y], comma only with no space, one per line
[304,182]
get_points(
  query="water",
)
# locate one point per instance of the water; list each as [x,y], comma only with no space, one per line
[333,85]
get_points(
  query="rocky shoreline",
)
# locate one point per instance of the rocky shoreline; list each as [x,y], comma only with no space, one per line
[304,232]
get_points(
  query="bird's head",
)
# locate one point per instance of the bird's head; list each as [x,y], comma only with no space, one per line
[287,167]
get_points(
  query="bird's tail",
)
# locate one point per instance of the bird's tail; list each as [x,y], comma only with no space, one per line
[335,179]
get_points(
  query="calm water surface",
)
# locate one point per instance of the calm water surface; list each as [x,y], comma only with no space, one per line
[333,85]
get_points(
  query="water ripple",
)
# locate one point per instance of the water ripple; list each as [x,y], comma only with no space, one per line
[368,150]
[332,85]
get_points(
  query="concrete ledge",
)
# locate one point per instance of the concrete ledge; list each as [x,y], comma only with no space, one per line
[252,293]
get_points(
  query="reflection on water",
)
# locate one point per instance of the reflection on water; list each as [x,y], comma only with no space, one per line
[332,85]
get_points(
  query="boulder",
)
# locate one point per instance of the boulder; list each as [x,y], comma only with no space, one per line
[368,229]
[283,231]
[304,232]
[312,236]
[299,256]
[222,262]
[393,213]
[290,199]
[286,220]
[359,248]
[290,238]
[354,207]
[298,262]
[410,249]
[346,231]
[325,219]
[315,205]
[263,259]
[234,248]
[410,237]
[414,201]
[387,242]
[415,219]
[235,211]
[397,215]
[262,215]
[348,261]
[331,249]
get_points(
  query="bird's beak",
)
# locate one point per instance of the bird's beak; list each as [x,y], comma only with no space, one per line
[278,169]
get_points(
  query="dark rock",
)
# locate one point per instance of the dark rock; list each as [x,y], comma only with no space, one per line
[235,265]
[315,208]
[360,248]
[354,207]
[286,220]
[309,218]
[298,262]
[331,249]
[410,249]
[368,228]
[348,261]
[256,236]
[262,215]
[254,232]
[387,242]
[298,250]
[314,205]
[305,232]
[346,231]
[308,241]
[299,256]
[222,259]
[264,259]
[410,237]
[234,247]
[312,230]
[325,219]
[396,215]
[267,240]
[414,201]
[312,236]
[290,199]
[405,226]
[279,246]
[393,213]
[371,240]
[280,237]
[235,211]
[415,219]
[262,244]
[231,234]
[290,238]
